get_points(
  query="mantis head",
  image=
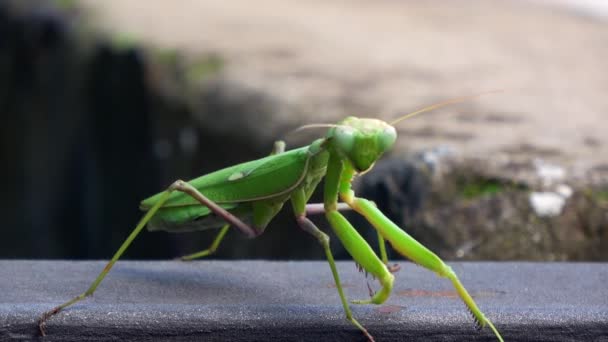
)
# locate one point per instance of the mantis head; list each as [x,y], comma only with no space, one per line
[362,141]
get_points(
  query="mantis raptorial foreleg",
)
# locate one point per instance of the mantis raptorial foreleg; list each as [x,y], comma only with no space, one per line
[338,185]
[176,186]
[364,255]
[340,176]
[415,251]
[319,208]
[356,246]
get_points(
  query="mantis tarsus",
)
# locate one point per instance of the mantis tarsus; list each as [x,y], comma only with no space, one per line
[249,195]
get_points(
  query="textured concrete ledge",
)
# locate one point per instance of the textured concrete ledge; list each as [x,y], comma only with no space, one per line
[260,300]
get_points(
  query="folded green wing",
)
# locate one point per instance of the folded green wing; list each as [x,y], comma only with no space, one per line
[231,188]
[249,181]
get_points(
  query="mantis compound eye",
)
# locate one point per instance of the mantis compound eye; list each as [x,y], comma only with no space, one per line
[345,138]
[387,138]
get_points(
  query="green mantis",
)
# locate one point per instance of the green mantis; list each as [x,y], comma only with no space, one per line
[248,196]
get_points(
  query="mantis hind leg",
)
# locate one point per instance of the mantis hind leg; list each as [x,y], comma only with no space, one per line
[142,223]
[176,186]
[212,248]
[278,148]
[300,208]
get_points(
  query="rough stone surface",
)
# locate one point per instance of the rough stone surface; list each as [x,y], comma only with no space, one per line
[289,301]
[296,62]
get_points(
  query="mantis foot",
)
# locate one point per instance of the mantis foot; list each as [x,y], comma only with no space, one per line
[45,316]
[370,338]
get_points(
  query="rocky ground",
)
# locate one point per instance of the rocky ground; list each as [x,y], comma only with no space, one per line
[519,174]
[323,60]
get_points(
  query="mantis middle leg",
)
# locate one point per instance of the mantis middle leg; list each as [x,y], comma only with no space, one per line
[299,204]
[278,147]
[311,209]
[212,248]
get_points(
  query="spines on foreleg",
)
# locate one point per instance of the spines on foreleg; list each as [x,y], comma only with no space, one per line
[415,251]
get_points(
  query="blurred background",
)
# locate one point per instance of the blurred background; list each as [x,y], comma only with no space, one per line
[104,103]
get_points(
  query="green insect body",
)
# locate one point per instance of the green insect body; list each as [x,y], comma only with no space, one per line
[249,195]
[241,195]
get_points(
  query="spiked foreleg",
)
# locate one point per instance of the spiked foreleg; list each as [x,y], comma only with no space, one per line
[415,251]
[364,255]
[356,246]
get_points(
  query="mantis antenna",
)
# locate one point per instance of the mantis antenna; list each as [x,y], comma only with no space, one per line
[301,128]
[409,115]
[318,125]
[443,104]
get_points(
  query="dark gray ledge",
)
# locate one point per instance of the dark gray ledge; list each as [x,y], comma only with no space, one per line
[260,300]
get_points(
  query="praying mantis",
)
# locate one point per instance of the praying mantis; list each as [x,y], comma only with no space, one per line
[247,197]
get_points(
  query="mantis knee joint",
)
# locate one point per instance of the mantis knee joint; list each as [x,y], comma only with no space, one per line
[177,185]
[323,239]
[446,272]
